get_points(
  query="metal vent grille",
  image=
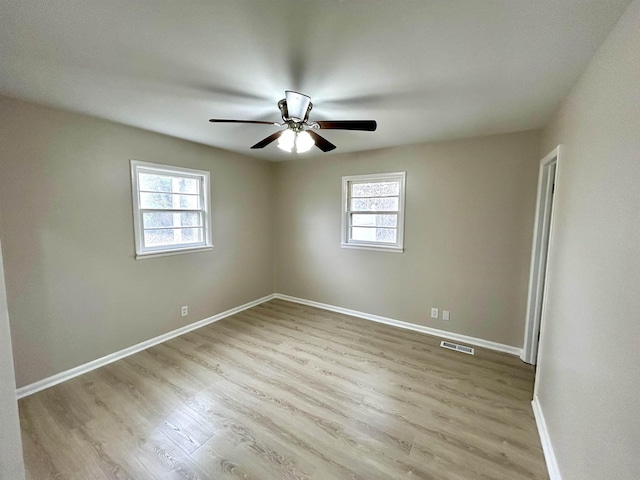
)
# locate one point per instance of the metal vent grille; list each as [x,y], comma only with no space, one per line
[457,348]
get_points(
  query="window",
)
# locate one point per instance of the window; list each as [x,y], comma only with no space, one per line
[171,212]
[373,211]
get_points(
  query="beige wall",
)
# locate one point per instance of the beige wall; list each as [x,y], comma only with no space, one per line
[468,229]
[589,380]
[75,291]
[11,466]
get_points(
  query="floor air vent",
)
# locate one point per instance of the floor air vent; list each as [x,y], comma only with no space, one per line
[456,347]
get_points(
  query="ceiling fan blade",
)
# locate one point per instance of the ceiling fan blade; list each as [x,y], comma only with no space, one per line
[321,142]
[219,120]
[263,143]
[368,125]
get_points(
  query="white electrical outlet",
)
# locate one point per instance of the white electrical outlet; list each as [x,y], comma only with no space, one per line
[445,314]
[434,313]
[184,311]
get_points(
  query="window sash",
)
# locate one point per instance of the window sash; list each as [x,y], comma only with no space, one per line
[374,228]
[170,192]
[349,212]
[144,245]
[376,233]
[373,196]
[150,247]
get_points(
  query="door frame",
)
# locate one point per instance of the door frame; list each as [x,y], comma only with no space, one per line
[543,226]
[11,457]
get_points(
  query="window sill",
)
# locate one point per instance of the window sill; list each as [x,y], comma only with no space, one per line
[377,248]
[166,253]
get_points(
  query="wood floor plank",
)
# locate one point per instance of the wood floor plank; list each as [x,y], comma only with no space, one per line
[247,434]
[288,391]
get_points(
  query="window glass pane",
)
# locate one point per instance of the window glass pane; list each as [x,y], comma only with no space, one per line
[171,219]
[364,234]
[155,183]
[374,204]
[386,235]
[189,201]
[172,236]
[187,185]
[372,220]
[190,235]
[167,183]
[375,189]
[168,200]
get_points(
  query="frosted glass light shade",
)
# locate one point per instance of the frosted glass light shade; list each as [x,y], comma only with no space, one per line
[304,142]
[287,140]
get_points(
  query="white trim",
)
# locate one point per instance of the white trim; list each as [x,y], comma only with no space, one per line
[397,247]
[478,342]
[101,362]
[545,440]
[543,226]
[375,248]
[177,251]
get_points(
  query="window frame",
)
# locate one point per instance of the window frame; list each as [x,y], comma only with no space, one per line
[202,176]
[347,181]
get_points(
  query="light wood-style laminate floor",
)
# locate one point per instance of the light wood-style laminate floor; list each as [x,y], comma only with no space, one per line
[285,391]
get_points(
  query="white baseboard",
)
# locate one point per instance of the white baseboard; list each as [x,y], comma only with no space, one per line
[479,342]
[547,448]
[100,362]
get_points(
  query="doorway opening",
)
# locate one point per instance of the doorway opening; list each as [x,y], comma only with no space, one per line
[539,255]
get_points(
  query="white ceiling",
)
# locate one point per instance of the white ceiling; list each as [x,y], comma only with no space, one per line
[424,69]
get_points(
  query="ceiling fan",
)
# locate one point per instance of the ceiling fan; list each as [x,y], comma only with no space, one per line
[300,133]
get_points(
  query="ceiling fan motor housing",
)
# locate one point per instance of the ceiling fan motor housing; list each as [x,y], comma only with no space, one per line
[295,107]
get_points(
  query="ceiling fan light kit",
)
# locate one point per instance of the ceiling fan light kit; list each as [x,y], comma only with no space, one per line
[301,141]
[299,134]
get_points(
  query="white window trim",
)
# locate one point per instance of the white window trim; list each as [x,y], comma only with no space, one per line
[397,247]
[141,252]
